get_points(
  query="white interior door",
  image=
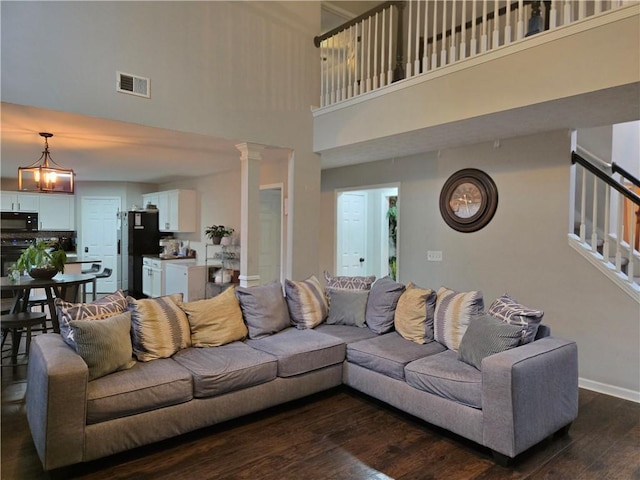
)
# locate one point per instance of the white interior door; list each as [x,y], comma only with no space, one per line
[270,234]
[352,238]
[99,236]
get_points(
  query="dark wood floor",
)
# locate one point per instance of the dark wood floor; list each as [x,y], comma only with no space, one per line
[342,434]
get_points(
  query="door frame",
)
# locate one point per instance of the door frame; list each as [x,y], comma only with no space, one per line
[279,186]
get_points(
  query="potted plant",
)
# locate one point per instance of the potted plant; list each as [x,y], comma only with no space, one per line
[217,232]
[40,260]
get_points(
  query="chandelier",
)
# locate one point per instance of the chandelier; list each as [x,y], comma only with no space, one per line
[45,175]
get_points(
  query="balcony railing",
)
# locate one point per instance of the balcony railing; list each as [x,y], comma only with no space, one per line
[368,52]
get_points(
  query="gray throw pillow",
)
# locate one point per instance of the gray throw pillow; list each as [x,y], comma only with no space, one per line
[485,336]
[104,345]
[264,309]
[510,311]
[381,304]
[347,307]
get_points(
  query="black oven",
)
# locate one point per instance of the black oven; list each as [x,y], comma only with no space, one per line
[18,222]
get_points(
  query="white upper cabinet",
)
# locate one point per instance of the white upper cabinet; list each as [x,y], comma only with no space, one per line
[57,212]
[19,202]
[176,209]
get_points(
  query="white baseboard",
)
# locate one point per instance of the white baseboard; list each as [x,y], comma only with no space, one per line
[612,390]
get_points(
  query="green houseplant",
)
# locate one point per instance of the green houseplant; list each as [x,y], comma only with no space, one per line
[40,260]
[216,232]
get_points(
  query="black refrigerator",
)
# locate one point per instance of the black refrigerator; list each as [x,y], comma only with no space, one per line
[143,237]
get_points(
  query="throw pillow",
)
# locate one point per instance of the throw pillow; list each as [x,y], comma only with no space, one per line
[381,304]
[508,310]
[159,327]
[347,307]
[264,309]
[306,301]
[348,283]
[485,336]
[105,346]
[102,308]
[414,314]
[215,321]
[453,312]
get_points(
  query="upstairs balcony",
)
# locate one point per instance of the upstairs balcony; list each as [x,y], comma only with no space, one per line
[416,76]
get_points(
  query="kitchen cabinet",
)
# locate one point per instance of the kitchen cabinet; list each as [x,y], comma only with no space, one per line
[190,280]
[19,202]
[152,277]
[176,209]
[57,212]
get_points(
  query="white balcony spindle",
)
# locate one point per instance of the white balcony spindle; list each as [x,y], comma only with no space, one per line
[361,86]
[425,43]
[349,66]
[390,69]
[507,25]
[597,7]
[408,66]
[567,13]
[520,19]
[443,43]
[631,221]
[344,39]
[434,49]
[452,43]
[323,70]
[416,62]
[496,24]
[383,37]
[594,216]
[332,51]
[483,38]
[463,31]
[582,10]
[474,40]
[375,53]
[606,247]
[619,232]
[553,15]
[369,53]
[583,208]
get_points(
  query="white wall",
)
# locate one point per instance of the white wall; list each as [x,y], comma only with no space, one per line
[626,146]
[523,251]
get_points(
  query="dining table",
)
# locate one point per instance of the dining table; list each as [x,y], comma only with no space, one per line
[64,286]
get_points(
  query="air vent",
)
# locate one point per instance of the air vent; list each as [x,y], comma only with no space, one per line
[133,85]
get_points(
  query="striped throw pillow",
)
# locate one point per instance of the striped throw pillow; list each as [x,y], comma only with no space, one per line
[453,313]
[349,283]
[307,303]
[510,311]
[159,327]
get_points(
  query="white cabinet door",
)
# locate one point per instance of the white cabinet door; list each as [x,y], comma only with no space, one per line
[146,280]
[7,201]
[151,198]
[57,212]
[163,212]
[19,202]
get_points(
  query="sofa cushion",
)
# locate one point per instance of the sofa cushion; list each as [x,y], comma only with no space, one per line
[487,335]
[345,333]
[104,307]
[105,345]
[215,321]
[453,312]
[301,351]
[414,314]
[347,307]
[307,303]
[389,353]
[381,304]
[348,283]
[509,310]
[159,327]
[446,376]
[264,309]
[144,387]
[223,369]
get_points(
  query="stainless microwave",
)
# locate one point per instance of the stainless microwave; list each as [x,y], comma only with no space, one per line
[19,222]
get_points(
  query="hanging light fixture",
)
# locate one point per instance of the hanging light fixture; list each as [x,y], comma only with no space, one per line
[45,175]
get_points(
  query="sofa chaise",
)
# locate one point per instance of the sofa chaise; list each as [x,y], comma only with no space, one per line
[286,348]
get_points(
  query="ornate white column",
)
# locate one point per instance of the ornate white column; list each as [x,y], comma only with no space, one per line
[250,156]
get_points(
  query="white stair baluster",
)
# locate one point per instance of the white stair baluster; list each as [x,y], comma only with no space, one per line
[452,43]
[483,38]
[553,15]
[390,69]
[351,44]
[323,100]
[434,51]
[425,43]
[520,20]
[607,224]
[369,54]
[463,31]
[383,37]
[474,40]
[507,26]
[375,53]
[443,46]
[362,77]
[567,13]
[583,208]
[594,216]
[619,232]
[496,24]
[416,62]
[408,66]
[632,240]
[597,7]
[582,10]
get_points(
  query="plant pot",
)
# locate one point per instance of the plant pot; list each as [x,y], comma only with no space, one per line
[225,241]
[216,240]
[43,273]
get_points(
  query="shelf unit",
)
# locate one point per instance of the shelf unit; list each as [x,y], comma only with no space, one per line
[218,259]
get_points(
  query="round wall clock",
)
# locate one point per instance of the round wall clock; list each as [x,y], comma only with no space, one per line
[468,200]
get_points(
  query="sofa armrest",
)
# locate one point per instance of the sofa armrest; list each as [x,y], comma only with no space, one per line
[56,400]
[529,393]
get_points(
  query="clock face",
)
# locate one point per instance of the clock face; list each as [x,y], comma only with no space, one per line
[468,200]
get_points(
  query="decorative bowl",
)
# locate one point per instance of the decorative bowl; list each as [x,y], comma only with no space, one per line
[43,273]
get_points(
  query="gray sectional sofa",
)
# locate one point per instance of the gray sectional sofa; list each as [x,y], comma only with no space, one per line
[518,398]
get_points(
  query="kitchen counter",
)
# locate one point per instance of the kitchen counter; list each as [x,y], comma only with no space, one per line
[74,263]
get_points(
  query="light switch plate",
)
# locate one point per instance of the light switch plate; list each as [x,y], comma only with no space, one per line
[434,255]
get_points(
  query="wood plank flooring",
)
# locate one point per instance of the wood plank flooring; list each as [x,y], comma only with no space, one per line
[341,434]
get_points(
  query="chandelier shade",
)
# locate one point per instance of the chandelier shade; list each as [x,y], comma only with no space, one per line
[45,175]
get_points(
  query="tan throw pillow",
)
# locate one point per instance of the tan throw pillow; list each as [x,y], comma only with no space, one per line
[414,314]
[215,321]
[453,313]
[308,306]
[159,327]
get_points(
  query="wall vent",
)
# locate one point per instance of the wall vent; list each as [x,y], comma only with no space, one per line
[133,84]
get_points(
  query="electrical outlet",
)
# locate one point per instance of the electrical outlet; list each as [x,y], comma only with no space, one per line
[434,255]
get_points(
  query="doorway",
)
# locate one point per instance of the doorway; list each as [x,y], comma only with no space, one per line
[99,237]
[270,233]
[367,231]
